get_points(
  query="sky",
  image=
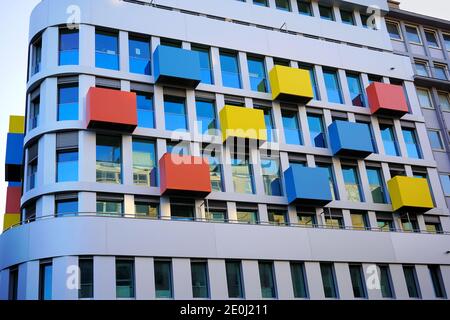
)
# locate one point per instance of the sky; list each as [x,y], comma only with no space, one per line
[13,61]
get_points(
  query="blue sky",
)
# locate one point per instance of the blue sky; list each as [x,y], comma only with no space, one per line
[13,61]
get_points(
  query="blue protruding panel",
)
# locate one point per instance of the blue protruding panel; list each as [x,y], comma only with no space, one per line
[14,157]
[350,139]
[307,186]
[14,184]
[177,66]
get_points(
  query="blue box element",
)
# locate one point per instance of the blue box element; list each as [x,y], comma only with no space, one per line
[350,139]
[14,157]
[307,186]
[175,66]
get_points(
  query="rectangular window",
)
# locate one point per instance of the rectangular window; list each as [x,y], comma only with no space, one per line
[32,166]
[445,181]
[365,20]
[347,17]
[247,216]
[35,107]
[424,98]
[433,225]
[359,220]
[145,167]
[326,13]
[68,102]
[106,50]
[356,274]
[271,173]
[182,210]
[171,43]
[277,217]
[66,165]
[304,8]
[312,75]
[13,284]
[140,55]
[447,41]
[257,74]
[389,140]
[411,281]
[36,57]
[393,29]
[356,90]
[387,290]
[66,206]
[242,174]
[163,279]
[438,283]
[352,185]
[234,279]
[333,187]
[200,285]
[409,224]
[217,215]
[109,206]
[86,266]
[333,87]
[435,140]
[376,185]
[283,5]
[270,127]
[412,145]
[444,100]
[175,113]
[306,218]
[412,34]
[145,110]
[372,137]
[109,159]
[231,76]
[292,133]
[45,281]
[298,276]
[432,40]
[267,280]
[146,208]
[385,224]
[205,64]
[206,116]
[215,168]
[263,3]
[328,280]
[440,72]
[124,278]
[68,47]
[316,131]
[334,221]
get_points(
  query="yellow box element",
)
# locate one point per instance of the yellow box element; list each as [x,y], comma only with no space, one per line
[10,219]
[410,193]
[241,122]
[16,124]
[291,84]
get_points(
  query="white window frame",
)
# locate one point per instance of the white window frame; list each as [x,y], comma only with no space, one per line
[429,97]
[441,66]
[399,29]
[422,62]
[444,93]
[436,37]
[418,33]
[440,138]
[448,35]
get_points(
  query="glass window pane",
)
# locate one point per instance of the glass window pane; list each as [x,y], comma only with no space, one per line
[347,17]
[199,272]
[447,41]
[438,284]
[385,282]
[250,217]
[230,70]
[45,281]
[359,290]
[444,101]
[163,279]
[359,221]
[445,181]
[145,110]
[144,163]
[268,119]
[431,39]
[421,69]
[242,175]
[328,280]
[412,35]
[333,86]
[283,5]
[376,185]
[299,280]
[124,278]
[109,207]
[67,166]
[68,47]
[109,159]
[67,207]
[352,185]
[175,114]
[331,179]
[106,51]
[215,169]
[389,140]
[356,91]
[412,145]
[304,7]
[206,117]
[277,217]
[440,72]
[316,131]
[267,280]
[68,103]
[411,281]
[86,290]
[182,212]
[257,74]
[435,140]
[139,52]
[326,13]
[205,64]
[394,31]
[146,209]
[271,176]
[263,3]
[234,279]
[292,132]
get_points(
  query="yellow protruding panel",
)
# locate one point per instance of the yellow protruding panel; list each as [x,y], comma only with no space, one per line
[10,219]
[291,84]
[241,122]
[410,193]
[16,124]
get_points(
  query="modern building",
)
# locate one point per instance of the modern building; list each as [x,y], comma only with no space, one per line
[322,183]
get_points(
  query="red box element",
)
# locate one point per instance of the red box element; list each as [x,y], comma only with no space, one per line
[111,109]
[13,195]
[184,175]
[387,99]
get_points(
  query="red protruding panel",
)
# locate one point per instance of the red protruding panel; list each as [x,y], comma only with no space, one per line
[13,195]
[387,99]
[184,175]
[111,109]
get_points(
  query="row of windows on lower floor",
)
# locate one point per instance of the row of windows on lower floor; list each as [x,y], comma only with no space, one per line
[125,278]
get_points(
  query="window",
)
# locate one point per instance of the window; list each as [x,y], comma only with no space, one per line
[109,206]
[438,283]
[268,119]
[283,5]
[175,113]
[306,218]
[199,273]
[385,223]
[444,100]
[247,216]
[312,76]
[298,277]
[205,64]
[109,159]
[182,210]
[234,279]
[387,290]
[435,140]
[106,50]
[409,224]
[440,71]
[45,281]
[411,281]
[328,280]
[13,284]
[29,212]
[359,220]
[347,17]
[334,220]
[424,98]
[394,31]
[412,145]
[333,86]
[230,70]
[412,34]
[365,21]
[326,13]
[124,278]
[179,147]
[163,279]
[433,224]
[271,176]
[242,174]
[146,208]
[447,41]
[68,102]
[376,185]
[257,74]
[217,215]
[36,57]
[263,3]
[66,205]
[369,127]
[34,112]
[206,117]
[277,217]
[68,47]
[139,52]
[145,110]
[421,68]
[316,131]
[432,39]
[171,43]
[356,91]
[333,188]
[292,133]
[86,266]
[267,280]
[215,169]
[32,166]
[389,140]
[144,163]
[352,185]
[67,165]
[356,274]
[445,181]
[304,8]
